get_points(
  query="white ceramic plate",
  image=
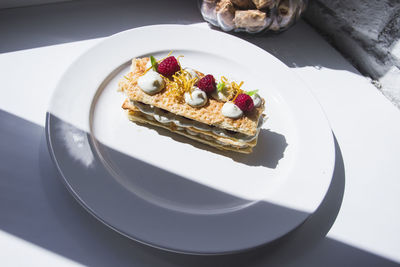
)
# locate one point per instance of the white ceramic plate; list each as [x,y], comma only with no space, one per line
[170,192]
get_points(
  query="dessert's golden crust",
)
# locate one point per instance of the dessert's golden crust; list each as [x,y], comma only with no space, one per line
[136,117]
[226,140]
[209,114]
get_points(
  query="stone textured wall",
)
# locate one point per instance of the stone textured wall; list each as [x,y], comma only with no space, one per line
[368,33]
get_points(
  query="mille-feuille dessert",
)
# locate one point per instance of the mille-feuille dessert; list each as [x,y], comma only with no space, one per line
[187,102]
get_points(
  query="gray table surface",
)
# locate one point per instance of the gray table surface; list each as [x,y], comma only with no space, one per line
[36,206]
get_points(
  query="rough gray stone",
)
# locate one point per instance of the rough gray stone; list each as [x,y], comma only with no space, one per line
[368,33]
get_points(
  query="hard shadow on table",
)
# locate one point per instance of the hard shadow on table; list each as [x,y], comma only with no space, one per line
[159,206]
[269,150]
[35,206]
[43,25]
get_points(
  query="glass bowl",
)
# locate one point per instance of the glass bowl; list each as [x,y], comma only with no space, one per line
[252,16]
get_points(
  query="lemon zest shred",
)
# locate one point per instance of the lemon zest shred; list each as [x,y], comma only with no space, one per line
[233,100]
[177,59]
[232,88]
[180,84]
[170,53]
[147,70]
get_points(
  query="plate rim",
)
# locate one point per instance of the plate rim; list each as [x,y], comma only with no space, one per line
[92,212]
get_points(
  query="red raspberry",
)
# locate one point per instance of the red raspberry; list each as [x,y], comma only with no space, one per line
[168,66]
[207,83]
[244,102]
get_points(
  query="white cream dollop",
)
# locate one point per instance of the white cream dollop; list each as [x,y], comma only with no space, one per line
[197,98]
[256,100]
[151,82]
[230,110]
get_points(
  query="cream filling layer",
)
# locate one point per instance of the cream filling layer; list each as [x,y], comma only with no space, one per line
[166,117]
[201,135]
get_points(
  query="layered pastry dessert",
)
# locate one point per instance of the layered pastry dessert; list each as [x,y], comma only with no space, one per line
[185,101]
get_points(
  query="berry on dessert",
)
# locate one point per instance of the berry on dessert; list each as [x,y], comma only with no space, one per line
[218,113]
[168,66]
[207,83]
[244,102]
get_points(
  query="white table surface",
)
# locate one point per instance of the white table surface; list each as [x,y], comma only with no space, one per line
[42,225]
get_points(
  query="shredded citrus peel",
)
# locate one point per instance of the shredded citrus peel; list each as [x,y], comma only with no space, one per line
[181,83]
[177,59]
[232,89]
[147,70]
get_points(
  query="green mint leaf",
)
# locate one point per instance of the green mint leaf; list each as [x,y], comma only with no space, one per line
[153,63]
[250,93]
[220,87]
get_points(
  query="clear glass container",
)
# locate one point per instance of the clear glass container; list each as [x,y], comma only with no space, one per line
[252,16]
